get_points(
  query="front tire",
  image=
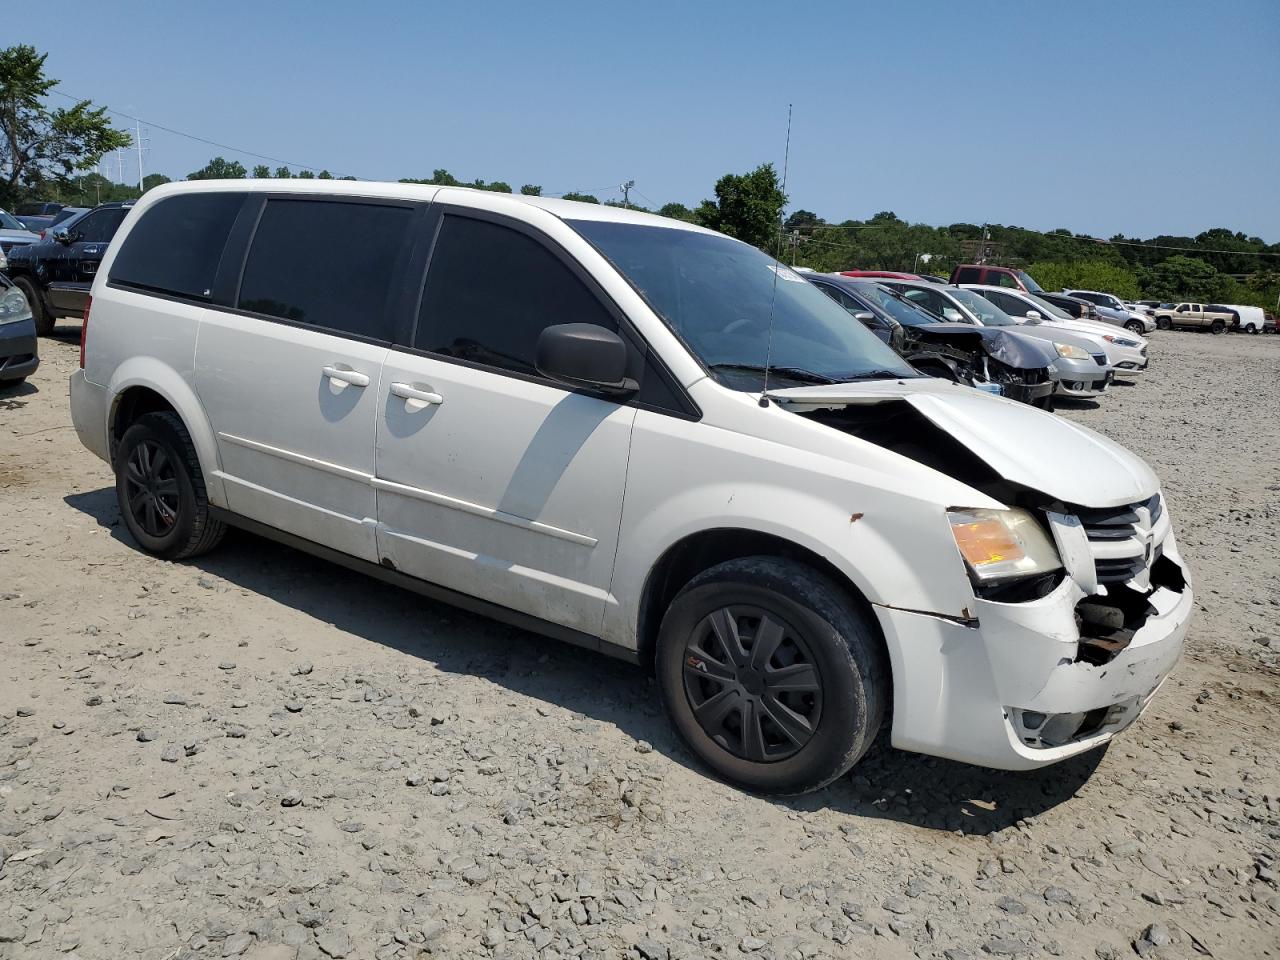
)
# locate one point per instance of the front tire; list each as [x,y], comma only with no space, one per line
[1133,326]
[42,317]
[771,674]
[1163,323]
[161,491]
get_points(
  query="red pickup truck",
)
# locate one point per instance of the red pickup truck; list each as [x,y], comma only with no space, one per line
[996,277]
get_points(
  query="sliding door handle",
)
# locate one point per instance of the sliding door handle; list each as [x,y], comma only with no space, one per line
[341,373]
[410,392]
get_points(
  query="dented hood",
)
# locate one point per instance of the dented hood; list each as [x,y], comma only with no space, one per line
[1027,446]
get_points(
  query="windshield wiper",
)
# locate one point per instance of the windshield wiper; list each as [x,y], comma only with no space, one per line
[790,373]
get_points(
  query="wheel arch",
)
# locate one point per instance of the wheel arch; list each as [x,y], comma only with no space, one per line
[696,552]
[145,385]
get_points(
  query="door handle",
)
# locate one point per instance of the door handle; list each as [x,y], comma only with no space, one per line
[410,392]
[344,374]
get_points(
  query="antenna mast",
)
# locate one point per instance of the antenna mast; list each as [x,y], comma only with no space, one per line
[773,298]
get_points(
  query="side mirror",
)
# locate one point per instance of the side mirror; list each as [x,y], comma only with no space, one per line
[1033,316]
[865,316]
[584,355]
[952,314]
[62,235]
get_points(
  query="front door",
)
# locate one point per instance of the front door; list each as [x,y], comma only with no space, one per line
[290,376]
[492,480]
[73,272]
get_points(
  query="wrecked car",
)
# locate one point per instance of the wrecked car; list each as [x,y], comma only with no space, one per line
[1003,362]
[650,440]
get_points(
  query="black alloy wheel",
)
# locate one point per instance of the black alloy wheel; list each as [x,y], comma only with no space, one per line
[151,488]
[773,673]
[752,683]
[161,491]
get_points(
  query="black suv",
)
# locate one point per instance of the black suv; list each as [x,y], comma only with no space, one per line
[56,273]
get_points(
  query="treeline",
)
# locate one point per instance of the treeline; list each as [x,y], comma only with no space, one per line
[1218,265]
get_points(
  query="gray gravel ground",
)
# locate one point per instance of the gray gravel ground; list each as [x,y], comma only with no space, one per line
[258,754]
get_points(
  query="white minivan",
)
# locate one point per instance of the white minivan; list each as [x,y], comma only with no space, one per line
[642,437]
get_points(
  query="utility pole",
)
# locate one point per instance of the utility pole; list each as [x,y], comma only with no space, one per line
[626,193]
[138,140]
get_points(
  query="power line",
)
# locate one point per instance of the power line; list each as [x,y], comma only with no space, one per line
[192,136]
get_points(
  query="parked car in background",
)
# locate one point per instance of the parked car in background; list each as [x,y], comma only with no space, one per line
[1080,368]
[32,214]
[56,273]
[1124,351]
[1196,316]
[1080,309]
[880,274]
[853,547]
[1136,321]
[994,276]
[42,225]
[12,234]
[19,355]
[1000,362]
[1244,318]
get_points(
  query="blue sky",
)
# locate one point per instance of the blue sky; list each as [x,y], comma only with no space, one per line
[1151,116]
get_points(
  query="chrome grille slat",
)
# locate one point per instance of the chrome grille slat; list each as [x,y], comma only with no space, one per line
[1122,538]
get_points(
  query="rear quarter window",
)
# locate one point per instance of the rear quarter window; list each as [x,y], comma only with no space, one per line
[968,275]
[176,245]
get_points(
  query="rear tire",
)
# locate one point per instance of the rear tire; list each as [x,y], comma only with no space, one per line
[1218,327]
[42,317]
[161,491]
[1251,328]
[771,674]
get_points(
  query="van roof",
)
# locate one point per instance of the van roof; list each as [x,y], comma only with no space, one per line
[564,209]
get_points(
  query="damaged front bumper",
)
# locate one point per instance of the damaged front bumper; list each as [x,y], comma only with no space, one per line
[1024,685]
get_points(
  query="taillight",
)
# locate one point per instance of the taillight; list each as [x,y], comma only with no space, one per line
[84,329]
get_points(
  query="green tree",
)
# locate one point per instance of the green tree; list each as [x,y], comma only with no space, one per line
[219,169]
[676,211]
[1086,275]
[325,175]
[153,180]
[581,197]
[802,219]
[1184,278]
[284,173]
[262,172]
[747,206]
[531,190]
[39,146]
[305,175]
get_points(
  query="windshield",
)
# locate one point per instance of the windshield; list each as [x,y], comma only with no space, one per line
[9,222]
[1030,284]
[1049,309]
[715,294]
[894,304]
[981,307]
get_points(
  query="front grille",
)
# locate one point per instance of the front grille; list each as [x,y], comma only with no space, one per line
[1123,539]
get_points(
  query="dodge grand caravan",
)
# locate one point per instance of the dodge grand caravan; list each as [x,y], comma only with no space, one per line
[642,437]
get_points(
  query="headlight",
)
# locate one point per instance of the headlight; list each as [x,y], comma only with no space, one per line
[1119,341]
[1071,352]
[1002,544]
[13,306]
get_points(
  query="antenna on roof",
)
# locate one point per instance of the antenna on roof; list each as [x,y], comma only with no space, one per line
[773,296]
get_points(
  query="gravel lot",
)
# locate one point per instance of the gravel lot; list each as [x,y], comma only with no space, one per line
[260,754]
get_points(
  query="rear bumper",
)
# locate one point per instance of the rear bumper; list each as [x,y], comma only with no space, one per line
[19,355]
[89,414]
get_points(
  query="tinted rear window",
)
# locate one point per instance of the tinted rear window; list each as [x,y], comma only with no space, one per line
[968,275]
[326,264]
[176,246]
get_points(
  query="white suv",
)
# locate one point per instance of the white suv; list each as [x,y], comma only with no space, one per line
[556,413]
